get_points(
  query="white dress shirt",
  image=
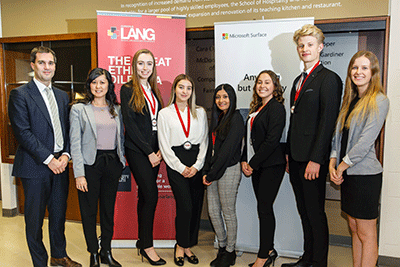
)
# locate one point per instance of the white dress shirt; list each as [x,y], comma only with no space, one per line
[149,100]
[170,134]
[42,88]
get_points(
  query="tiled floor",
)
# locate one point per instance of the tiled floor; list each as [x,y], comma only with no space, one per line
[14,251]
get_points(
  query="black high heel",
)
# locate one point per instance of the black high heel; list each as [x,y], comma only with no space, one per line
[273,255]
[144,254]
[138,247]
[178,260]
[270,260]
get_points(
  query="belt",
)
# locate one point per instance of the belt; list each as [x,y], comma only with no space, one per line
[57,155]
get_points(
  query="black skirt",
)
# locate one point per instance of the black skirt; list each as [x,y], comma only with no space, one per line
[360,195]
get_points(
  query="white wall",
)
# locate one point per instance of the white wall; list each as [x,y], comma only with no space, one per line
[389,237]
[8,187]
[1,28]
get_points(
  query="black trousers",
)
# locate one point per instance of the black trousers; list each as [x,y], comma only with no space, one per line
[146,179]
[102,178]
[51,192]
[310,199]
[188,194]
[266,183]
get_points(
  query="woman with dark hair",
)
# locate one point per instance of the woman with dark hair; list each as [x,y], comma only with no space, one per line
[140,104]
[353,163]
[221,172]
[263,157]
[97,135]
[182,136]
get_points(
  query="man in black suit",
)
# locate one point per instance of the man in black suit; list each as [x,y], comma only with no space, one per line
[314,101]
[39,117]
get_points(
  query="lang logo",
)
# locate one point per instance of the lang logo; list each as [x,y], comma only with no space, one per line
[112,33]
[225,36]
[130,33]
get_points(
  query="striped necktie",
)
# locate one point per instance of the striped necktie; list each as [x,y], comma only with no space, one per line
[55,117]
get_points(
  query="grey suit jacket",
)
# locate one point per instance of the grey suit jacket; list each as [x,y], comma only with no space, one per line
[83,137]
[360,152]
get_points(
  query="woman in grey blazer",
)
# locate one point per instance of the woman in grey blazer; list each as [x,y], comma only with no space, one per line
[358,171]
[97,135]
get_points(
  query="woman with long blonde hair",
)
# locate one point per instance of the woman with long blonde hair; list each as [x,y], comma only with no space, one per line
[353,163]
[140,103]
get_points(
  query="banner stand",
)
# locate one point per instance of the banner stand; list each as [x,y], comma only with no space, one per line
[120,35]
[242,50]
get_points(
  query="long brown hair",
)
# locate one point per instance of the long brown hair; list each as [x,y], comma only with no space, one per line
[137,101]
[367,103]
[192,99]
[277,93]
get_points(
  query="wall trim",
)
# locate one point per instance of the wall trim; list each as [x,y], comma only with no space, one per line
[339,240]
[10,212]
[385,261]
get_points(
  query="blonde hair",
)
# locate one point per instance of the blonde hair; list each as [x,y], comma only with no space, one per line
[137,101]
[309,30]
[192,99]
[367,104]
[277,93]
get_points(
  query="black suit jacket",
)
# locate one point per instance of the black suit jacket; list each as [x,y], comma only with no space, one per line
[138,128]
[265,136]
[33,129]
[315,113]
[226,150]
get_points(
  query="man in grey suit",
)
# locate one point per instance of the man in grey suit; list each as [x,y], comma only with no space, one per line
[39,117]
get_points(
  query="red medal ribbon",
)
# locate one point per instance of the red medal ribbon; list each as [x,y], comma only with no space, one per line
[186,131]
[298,91]
[152,104]
[252,118]
[213,137]
[214,134]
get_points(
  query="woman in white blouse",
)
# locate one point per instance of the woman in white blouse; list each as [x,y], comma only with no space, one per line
[182,137]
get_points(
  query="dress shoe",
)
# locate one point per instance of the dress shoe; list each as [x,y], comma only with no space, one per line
[144,254]
[270,260]
[138,247]
[192,259]
[299,263]
[215,262]
[66,261]
[227,259]
[273,255]
[94,260]
[107,258]
[178,260]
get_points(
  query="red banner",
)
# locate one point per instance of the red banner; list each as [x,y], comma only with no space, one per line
[120,35]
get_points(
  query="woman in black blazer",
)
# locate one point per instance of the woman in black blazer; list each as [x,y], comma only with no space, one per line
[221,172]
[140,103]
[263,157]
